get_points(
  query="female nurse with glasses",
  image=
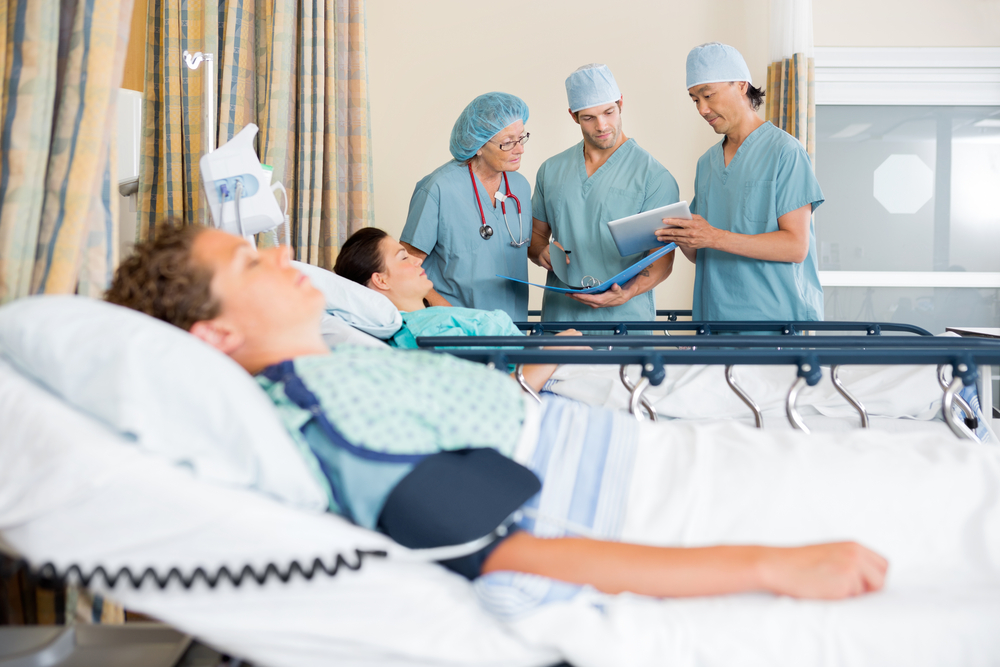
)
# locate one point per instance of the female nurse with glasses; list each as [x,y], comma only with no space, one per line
[470,219]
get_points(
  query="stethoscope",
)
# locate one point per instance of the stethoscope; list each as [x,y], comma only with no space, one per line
[485,230]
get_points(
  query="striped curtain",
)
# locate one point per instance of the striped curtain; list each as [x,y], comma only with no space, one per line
[62,64]
[791,96]
[296,69]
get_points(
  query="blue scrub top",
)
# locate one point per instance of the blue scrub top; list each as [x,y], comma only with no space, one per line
[444,222]
[769,176]
[578,210]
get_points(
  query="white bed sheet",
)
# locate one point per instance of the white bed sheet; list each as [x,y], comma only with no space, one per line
[928,502]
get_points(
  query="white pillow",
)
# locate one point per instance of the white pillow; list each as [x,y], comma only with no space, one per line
[71,491]
[174,395]
[355,304]
[338,332]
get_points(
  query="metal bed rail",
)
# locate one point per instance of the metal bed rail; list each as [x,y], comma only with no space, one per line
[707,328]
[671,315]
[808,354]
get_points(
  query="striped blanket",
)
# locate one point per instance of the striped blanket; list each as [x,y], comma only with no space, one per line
[584,457]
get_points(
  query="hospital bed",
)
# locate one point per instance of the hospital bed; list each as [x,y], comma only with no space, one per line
[129,443]
[97,468]
[692,390]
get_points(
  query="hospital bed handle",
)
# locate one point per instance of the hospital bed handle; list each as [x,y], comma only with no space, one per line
[970,416]
[758,418]
[623,374]
[962,374]
[809,373]
[633,404]
[848,396]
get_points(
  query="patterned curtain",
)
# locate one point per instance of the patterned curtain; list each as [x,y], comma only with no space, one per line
[296,69]
[62,64]
[791,97]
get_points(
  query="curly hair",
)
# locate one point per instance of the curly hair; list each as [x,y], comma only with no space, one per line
[755,95]
[160,278]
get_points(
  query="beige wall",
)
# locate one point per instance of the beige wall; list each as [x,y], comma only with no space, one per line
[428,59]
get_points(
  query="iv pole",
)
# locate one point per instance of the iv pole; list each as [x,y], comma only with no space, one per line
[207,107]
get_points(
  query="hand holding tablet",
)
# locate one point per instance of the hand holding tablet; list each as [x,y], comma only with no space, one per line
[637,233]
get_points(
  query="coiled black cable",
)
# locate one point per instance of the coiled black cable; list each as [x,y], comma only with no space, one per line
[49,574]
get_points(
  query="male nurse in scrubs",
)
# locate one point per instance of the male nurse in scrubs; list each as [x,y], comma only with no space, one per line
[751,235]
[604,177]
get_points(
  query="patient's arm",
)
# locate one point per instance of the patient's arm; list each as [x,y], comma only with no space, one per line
[536,375]
[433,298]
[823,571]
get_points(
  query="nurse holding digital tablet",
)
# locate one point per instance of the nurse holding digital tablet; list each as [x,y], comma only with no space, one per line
[751,235]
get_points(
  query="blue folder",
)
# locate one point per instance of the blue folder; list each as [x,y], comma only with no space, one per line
[622,278]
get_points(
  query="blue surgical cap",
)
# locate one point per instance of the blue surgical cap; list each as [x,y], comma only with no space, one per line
[714,63]
[482,119]
[590,86]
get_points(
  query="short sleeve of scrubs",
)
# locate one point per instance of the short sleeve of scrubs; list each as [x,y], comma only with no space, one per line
[796,183]
[421,229]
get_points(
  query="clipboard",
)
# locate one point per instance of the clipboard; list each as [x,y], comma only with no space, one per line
[620,279]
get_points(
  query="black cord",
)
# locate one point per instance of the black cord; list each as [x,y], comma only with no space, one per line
[49,573]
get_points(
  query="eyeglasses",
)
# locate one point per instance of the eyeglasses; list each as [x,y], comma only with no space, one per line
[508,145]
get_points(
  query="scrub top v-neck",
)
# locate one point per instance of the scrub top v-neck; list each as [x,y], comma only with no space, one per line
[577,208]
[444,222]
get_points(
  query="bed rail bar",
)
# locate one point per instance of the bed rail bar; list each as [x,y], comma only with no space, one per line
[808,354]
[671,315]
[795,328]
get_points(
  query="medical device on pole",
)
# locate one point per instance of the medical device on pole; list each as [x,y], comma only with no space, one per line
[237,187]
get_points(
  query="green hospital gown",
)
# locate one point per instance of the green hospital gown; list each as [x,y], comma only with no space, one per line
[578,210]
[445,321]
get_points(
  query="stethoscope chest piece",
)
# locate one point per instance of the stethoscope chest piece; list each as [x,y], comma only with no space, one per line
[485,231]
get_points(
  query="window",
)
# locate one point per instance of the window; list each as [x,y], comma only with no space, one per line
[908,155]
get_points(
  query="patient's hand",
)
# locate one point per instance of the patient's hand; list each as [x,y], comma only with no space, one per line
[823,571]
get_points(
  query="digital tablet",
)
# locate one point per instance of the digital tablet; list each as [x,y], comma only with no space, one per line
[636,233]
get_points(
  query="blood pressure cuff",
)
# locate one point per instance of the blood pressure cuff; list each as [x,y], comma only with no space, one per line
[455,497]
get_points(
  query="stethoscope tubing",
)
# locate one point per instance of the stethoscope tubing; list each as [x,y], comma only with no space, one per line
[485,230]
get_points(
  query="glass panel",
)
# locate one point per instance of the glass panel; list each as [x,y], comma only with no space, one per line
[908,188]
[932,308]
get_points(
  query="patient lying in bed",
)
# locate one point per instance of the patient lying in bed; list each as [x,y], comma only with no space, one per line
[255,307]
[372,258]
